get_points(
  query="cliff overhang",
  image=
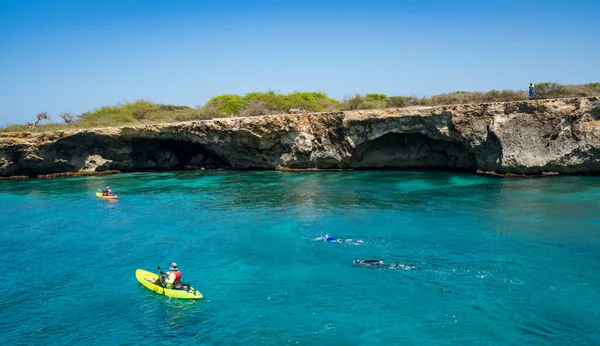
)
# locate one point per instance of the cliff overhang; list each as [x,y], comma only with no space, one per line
[523,137]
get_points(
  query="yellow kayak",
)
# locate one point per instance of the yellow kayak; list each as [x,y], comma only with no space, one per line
[147,279]
[100,195]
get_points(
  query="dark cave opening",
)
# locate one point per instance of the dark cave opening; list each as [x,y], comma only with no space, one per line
[412,151]
[174,154]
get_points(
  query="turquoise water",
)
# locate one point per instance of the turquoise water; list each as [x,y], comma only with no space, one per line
[496,261]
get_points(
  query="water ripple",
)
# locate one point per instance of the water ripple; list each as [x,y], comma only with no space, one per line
[495,261]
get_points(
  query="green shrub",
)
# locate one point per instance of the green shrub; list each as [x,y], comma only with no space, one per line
[352,103]
[396,102]
[38,128]
[15,128]
[551,90]
[272,102]
[582,90]
[227,104]
[376,97]
[130,113]
[461,97]
[140,109]
[254,108]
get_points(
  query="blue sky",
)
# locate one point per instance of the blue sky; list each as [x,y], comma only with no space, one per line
[74,56]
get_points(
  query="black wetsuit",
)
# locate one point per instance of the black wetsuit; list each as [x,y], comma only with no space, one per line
[369,263]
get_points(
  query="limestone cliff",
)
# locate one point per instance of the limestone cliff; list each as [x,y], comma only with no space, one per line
[525,137]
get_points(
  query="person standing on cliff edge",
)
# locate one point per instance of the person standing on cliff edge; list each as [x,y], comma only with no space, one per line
[531,91]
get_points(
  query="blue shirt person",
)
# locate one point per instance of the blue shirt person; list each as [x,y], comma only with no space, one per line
[531,91]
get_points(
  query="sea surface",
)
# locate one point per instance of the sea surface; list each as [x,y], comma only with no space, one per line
[492,261]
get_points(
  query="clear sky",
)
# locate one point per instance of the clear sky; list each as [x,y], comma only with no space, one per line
[76,55]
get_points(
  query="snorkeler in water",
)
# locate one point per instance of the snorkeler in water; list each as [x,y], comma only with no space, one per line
[381,264]
[400,266]
[327,238]
[369,263]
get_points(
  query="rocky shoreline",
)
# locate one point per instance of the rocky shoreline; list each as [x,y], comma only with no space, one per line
[539,137]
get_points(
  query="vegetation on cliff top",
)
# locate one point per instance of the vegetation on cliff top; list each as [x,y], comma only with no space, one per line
[271,102]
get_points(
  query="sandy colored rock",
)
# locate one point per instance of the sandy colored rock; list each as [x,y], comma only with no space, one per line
[523,137]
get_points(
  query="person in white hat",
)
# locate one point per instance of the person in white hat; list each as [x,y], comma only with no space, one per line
[173,278]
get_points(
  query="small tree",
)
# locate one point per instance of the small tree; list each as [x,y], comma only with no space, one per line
[42,116]
[396,102]
[352,103]
[38,118]
[68,118]
[253,108]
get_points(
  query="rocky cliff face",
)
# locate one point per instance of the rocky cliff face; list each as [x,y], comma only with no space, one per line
[526,137]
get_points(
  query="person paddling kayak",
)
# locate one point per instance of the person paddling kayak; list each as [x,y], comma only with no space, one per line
[107,191]
[173,277]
